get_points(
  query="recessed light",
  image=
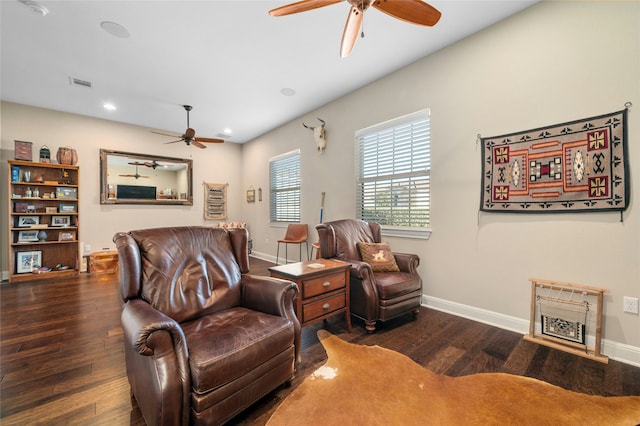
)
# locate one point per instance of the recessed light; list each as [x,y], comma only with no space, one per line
[115,29]
[227,131]
[109,106]
[287,91]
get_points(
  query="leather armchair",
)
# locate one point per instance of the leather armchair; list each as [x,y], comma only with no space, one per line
[203,338]
[375,296]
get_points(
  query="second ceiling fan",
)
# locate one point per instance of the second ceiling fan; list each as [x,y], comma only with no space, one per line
[413,11]
[189,136]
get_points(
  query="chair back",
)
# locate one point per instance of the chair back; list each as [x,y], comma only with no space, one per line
[184,272]
[338,239]
[297,233]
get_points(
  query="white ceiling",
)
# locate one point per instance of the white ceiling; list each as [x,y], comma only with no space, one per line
[229,59]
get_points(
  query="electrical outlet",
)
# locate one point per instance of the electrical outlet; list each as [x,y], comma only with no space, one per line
[630,304]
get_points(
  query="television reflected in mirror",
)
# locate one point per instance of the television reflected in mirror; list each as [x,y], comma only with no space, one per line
[130,178]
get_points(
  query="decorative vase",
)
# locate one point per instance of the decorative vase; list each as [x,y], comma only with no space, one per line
[67,156]
[42,236]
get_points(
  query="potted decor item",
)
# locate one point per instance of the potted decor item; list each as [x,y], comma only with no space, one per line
[67,156]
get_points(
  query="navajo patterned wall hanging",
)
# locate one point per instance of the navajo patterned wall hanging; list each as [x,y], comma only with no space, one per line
[569,167]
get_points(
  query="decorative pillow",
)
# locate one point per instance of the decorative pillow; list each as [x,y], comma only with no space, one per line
[379,256]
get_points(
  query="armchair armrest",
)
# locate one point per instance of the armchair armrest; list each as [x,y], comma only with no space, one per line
[276,297]
[359,269]
[407,262]
[161,345]
[140,320]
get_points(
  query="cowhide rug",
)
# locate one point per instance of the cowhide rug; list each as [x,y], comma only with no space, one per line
[370,385]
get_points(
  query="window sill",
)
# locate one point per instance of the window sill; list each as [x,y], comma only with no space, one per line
[418,233]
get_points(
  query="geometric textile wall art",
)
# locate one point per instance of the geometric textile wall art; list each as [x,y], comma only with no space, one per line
[570,167]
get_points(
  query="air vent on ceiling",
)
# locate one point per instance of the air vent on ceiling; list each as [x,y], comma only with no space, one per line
[223,136]
[79,82]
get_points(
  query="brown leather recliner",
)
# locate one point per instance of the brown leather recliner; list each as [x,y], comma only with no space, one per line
[203,338]
[375,296]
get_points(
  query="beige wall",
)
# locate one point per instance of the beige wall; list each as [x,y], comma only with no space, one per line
[555,62]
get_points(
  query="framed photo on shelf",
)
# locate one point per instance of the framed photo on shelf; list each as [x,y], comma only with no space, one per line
[60,220]
[67,208]
[28,261]
[27,221]
[67,236]
[28,236]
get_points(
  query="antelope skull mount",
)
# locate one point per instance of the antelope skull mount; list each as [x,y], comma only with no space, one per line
[318,135]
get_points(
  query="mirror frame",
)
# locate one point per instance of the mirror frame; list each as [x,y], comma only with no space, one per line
[104,172]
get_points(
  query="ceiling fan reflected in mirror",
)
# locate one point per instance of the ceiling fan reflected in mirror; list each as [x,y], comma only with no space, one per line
[189,136]
[413,11]
[136,175]
[153,164]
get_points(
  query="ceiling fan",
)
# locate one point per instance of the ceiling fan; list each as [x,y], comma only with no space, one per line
[189,136]
[413,11]
[153,164]
[137,175]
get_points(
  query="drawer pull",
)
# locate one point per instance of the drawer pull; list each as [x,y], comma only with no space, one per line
[326,284]
[325,306]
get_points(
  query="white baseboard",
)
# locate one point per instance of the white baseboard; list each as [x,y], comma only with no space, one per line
[263,256]
[614,350]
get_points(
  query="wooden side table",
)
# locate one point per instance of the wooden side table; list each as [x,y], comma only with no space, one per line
[324,288]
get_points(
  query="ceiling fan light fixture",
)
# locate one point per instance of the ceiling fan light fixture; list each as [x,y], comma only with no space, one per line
[115,29]
[35,7]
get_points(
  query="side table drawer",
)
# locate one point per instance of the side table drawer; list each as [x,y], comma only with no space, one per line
[323,307]
[321,285]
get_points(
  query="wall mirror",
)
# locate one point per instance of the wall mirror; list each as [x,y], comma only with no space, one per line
[130,178]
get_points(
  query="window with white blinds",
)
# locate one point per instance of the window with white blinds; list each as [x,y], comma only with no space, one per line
[393,172]
[284,182]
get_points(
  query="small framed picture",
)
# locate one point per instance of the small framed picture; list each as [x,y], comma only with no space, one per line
[60,220]
[28,236]
[27,221]
[67,236]
[67,208]
[251,196]
[28,261]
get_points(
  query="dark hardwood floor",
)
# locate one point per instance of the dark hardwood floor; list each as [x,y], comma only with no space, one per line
[62,360]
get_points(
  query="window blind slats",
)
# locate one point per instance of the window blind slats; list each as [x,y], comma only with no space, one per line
[284,183]
[394,165]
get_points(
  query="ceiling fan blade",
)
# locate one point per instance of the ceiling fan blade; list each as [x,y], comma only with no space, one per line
[413,11]
[198,144]
[210,140]
[351,31]
[179,140]
[166,134]
[301,6]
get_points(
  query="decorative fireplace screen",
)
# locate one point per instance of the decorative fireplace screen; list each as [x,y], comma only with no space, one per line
[567,316]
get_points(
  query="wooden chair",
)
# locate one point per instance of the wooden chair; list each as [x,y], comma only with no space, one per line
[297,233]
